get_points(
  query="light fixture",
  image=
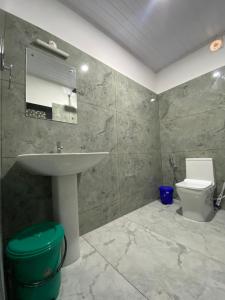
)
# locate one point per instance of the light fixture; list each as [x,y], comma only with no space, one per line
[216,45]
[84,68]
[152,100]
[216,74]
[52,47]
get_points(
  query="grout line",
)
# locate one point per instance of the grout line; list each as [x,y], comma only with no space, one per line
[160,140]
[130,283]
[117,144]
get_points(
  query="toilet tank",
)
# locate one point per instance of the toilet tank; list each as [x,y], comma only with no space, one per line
[200,168]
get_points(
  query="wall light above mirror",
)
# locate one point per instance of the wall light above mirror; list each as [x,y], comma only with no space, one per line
[50,88]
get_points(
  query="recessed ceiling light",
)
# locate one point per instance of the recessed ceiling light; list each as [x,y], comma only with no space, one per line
[216,45]
[216,74]
[84,68]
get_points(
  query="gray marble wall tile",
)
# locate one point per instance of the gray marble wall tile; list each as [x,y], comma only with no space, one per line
[17,38]
[97,86]
[98,216]
[139,178]
[91,219]
[137,135]
[195,132]
[201,85]
[0,124]
[98,191]
[98,185]
[97,128]
[2,23]
[26,198]
[112,211]
[191,105]
[137,117]
[134,98]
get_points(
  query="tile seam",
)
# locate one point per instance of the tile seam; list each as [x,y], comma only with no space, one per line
[174,241]
[117,271]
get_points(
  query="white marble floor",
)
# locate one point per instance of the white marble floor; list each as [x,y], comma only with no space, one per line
[152,253]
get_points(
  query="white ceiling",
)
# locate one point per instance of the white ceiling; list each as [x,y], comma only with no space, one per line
[157,32]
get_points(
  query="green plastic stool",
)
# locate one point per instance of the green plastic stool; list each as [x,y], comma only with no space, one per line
[35,256]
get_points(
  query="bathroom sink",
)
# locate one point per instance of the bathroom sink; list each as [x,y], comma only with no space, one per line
[59,164]
[63,167]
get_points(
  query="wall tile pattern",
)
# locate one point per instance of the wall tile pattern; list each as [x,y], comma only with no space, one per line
[192,124]
[114,114]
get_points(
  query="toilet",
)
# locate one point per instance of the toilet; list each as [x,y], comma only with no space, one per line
[196,191]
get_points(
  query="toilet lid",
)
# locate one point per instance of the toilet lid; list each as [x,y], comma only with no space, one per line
[194,184]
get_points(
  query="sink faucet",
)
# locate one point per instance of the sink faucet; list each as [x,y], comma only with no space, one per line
[59,147]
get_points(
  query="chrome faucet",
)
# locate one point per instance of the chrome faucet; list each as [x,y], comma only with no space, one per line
[59,147]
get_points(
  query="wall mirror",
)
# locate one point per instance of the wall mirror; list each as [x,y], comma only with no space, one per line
[50,88]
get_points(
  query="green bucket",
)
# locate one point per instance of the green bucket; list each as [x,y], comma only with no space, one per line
[35,256]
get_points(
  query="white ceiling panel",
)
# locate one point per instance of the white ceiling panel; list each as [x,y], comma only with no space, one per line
[157,32]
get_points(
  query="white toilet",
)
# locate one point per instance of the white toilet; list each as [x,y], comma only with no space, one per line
[196,191]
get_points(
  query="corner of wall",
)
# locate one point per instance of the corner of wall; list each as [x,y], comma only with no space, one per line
[191,66]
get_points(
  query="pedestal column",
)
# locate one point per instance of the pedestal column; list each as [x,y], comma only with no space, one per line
[65,207]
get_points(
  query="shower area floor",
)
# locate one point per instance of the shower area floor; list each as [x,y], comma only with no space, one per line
[151,253]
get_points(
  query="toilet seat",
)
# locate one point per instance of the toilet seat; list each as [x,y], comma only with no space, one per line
[195,184]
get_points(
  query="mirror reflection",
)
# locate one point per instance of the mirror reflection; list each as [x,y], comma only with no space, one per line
[50,88]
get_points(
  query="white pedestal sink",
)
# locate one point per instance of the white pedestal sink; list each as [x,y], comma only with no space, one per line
[63,167]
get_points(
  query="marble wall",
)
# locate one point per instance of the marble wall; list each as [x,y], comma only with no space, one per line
[2,293]
[192,124]
[114,114]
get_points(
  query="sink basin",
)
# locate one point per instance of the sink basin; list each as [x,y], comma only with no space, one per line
[63,167]
[59,164]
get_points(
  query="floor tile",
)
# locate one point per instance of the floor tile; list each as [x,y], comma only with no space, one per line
[91,277]
[152,253]
[205,237]
[157,266]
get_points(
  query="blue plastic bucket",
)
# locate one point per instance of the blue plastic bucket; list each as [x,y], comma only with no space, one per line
[166,194]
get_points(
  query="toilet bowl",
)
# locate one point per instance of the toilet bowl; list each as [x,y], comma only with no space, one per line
[196,191]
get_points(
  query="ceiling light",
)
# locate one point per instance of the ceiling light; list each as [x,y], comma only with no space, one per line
[152,100]
[216,74]
[84,68]
[216,45]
